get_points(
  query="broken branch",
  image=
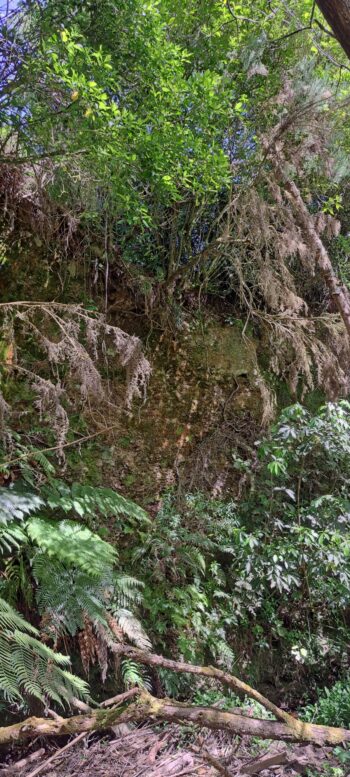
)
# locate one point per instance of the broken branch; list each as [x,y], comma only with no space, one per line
[148,707]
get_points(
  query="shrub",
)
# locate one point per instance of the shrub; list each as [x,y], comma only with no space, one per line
[332,707]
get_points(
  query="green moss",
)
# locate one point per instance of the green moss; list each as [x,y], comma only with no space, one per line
[222,351]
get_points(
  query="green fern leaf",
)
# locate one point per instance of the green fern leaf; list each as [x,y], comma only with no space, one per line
[16,505]
[72,544]
[29,667]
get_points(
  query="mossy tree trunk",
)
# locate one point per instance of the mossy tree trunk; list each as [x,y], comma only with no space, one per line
[147,707]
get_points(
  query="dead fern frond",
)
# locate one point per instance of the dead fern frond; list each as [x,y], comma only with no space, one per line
[72,342]
[87,645]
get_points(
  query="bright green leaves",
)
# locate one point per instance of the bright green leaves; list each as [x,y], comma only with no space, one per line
[82,74]
[277,465]
[146,122]
[30,668]
[71,543]
[274,565]
[88,501]
[320,441]
[66,540]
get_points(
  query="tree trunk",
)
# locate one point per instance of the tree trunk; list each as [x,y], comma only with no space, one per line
[149,708]
[337,14]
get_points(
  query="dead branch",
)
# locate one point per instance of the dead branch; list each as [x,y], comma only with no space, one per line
[210,758]
[295,729]
[147,707]
[151,659]
[116,701]
[277,759]
[57,753]
[22,764]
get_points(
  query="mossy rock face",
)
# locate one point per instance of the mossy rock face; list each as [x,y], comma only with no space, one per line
[221,351]
[203,397]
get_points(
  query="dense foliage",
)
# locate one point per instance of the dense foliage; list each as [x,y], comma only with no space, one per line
[163,166]
[65,577]
[273,566]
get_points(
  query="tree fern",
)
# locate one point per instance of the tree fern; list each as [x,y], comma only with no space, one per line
[71,572]
[67,596]
[87,500]
[83,500]
[15,505]
[71,543]
[30,668]
[132,628]
[73,602]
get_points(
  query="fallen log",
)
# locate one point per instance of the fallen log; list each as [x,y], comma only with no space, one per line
[147,707]
[137,705]
[229,680]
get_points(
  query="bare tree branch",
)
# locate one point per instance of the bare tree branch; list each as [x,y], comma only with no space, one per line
[148,707]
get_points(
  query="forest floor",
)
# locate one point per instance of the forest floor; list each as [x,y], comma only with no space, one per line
[173,751]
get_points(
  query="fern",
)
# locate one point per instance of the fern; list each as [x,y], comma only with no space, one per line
[11,537]
[73,602]
[72,544]
[17,581]
[133,629]
[70,570]
[134,674]
[30,668]
[87,500]
[69,541]
[15,505]
[66,597]
[224,654]
[82,500]
[128,590]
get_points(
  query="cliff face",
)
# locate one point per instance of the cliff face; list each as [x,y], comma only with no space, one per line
[206,398]
[205,403]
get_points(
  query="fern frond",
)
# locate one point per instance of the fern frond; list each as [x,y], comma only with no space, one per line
[133,674]
[224,654]
[133,629]
[128,590]
[72,544]
[87,500]
[11,537]
[65,596]
[15,505]
[11,619]
[28,667]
